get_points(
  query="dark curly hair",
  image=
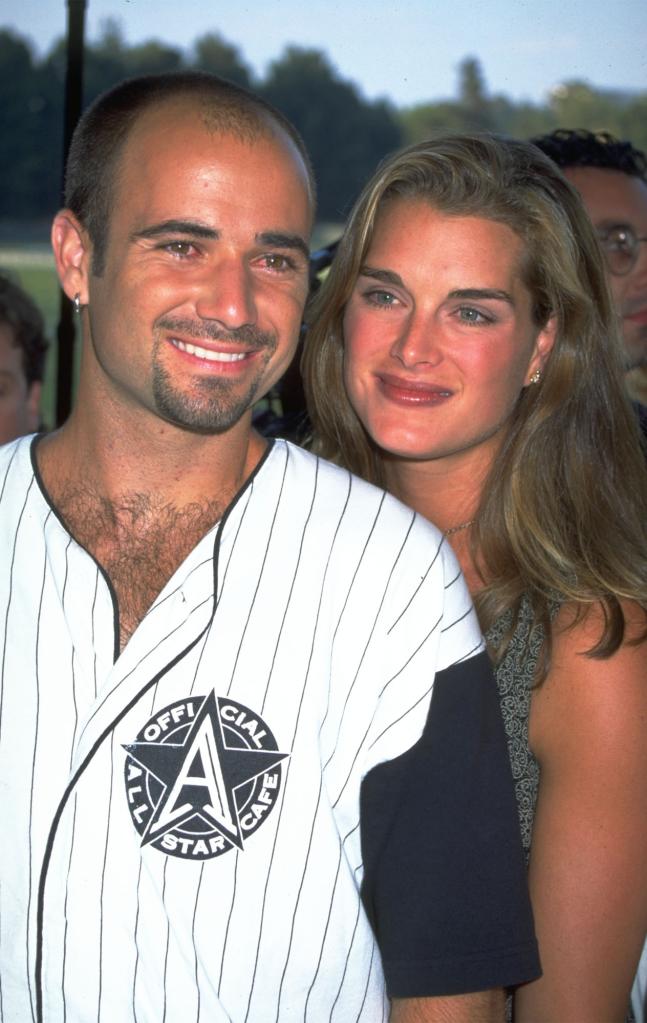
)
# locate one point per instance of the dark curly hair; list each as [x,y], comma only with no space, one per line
[577,147]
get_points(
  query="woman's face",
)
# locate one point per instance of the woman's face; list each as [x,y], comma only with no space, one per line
[439,340]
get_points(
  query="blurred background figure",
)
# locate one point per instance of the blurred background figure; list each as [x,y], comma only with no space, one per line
[611,177]
[23,347]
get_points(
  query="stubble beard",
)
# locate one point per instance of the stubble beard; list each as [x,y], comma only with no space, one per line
[211,405]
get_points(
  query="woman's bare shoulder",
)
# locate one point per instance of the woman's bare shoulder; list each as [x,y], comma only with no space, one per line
[587,699]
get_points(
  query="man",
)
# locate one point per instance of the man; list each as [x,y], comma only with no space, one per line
[611,177]
[219,654]
[23,347]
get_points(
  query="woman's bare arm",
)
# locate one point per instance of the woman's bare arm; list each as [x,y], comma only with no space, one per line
[480,1007]
[588,729]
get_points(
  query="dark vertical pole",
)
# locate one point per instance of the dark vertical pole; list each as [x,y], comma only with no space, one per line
[73,104]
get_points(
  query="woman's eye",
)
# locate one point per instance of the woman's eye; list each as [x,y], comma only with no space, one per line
[469,315]
[383,298]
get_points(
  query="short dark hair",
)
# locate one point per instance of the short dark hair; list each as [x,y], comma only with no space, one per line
[577,147]
[102,131]
[23,317]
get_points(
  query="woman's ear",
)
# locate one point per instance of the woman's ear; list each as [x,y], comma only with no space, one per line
[543,347]
[72,255]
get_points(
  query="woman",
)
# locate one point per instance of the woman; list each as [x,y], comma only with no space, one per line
[464,354]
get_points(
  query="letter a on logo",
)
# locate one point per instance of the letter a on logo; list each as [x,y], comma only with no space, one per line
[201,769]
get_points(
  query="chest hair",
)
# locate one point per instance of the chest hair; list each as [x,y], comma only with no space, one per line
[139,542]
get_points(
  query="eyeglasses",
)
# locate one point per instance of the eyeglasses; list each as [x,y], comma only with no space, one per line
[620,245]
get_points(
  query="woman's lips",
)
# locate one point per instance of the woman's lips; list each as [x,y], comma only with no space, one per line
[412,392]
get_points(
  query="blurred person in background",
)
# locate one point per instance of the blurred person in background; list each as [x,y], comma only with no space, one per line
[611,177]
[23,347]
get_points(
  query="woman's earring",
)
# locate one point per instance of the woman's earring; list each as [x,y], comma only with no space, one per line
[536,377]
[77,302]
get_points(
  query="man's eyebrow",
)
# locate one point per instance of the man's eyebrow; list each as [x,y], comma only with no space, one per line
[193,229]
[613,224]
[279,240]
[385,276]
[186,227]
[481,293]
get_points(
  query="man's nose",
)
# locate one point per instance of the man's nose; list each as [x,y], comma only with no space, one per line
[227,294]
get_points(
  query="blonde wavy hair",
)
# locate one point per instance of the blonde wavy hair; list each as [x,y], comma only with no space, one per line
[564,508]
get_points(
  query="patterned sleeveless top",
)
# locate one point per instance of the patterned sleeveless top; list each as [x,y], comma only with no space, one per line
[514,678]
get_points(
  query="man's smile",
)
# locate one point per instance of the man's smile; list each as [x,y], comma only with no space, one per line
[207,353]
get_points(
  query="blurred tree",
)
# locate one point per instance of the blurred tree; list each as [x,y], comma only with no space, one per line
[632,121]
[152,58]
[573,104]
[215,54]
[576,104]
[345,135]
[31,128]
[16,59]
[105,60]
[472,96]
[111,43]
[421,121]
[519,119]
[110,59]
[473,110]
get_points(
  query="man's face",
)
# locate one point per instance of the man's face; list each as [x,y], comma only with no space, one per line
[197,312]
[18,400]
[614,199]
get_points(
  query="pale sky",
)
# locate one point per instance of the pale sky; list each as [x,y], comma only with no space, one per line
[406,50]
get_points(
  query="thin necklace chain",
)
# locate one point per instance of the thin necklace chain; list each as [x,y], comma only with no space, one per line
[457,529]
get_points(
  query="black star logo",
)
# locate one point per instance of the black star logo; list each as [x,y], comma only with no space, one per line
[200,775]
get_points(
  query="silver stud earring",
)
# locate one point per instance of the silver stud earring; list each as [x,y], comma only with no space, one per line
[536,377]
[77,302]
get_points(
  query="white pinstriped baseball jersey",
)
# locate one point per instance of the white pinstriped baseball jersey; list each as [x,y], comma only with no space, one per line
[182,821]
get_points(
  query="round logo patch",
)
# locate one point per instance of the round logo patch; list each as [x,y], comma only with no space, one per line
[201,777]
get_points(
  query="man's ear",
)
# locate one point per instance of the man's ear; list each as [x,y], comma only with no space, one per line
[543,347]
[72,255]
